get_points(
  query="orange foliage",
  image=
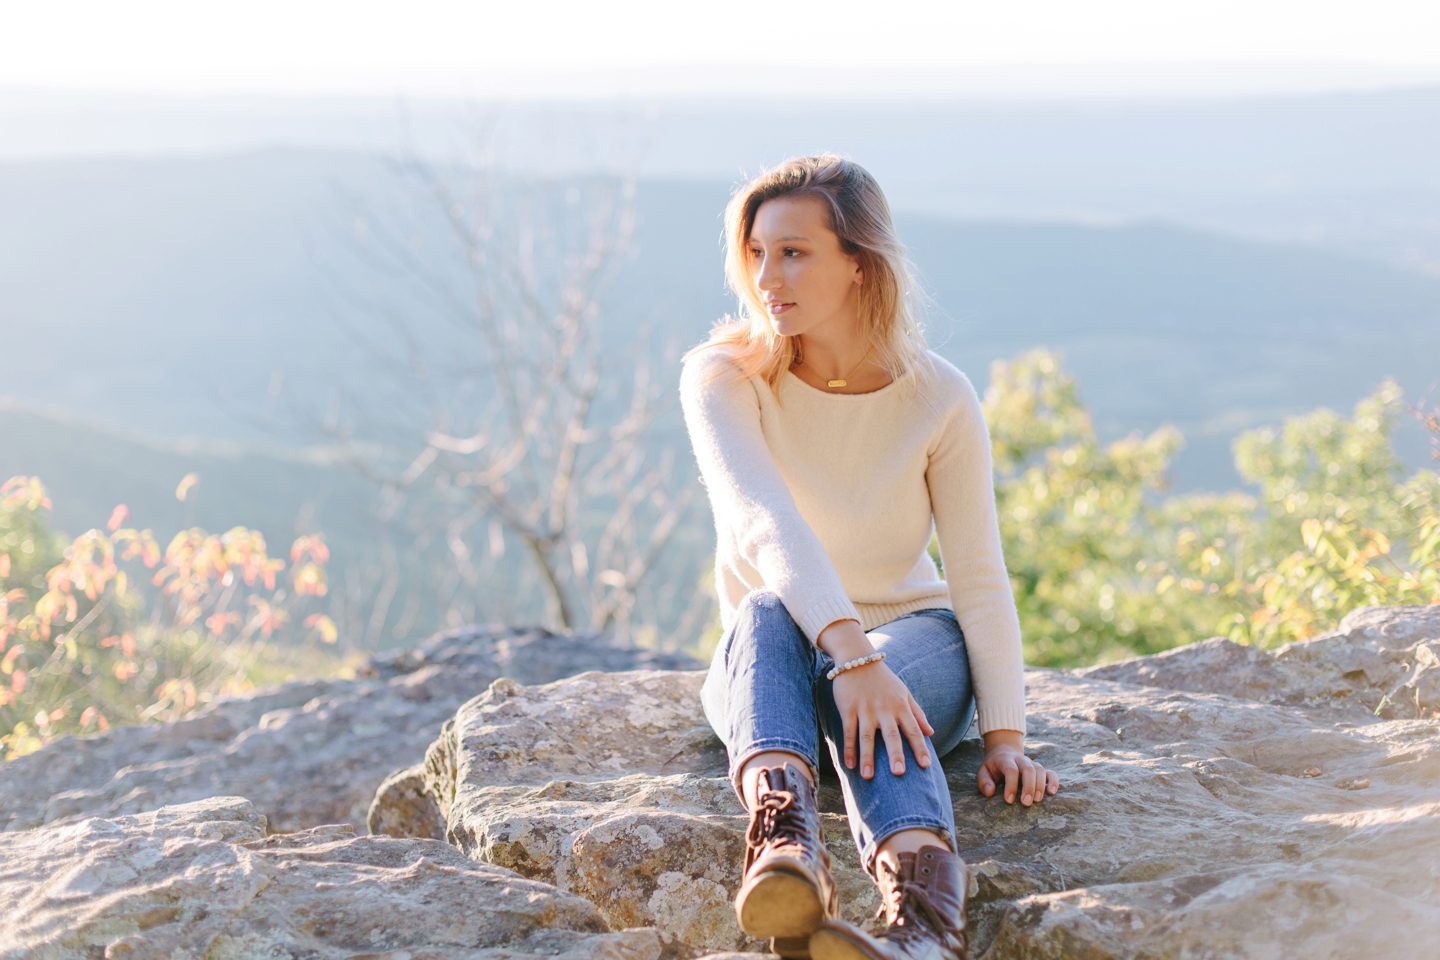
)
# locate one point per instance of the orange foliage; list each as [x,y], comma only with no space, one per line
[24,492]
[88,631]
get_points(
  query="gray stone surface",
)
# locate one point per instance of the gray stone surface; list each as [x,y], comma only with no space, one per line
[1290,822]
[204,880]
[610,786]
[305,753]
[1218,802]
[404,807]
[1381,662]
[1197,825]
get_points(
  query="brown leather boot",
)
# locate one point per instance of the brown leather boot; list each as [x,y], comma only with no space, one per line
[787,892]
[924,905]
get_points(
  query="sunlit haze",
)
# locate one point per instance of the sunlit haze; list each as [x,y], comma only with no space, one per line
[652,48]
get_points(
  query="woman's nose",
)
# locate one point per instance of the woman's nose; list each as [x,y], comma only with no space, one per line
[768,275]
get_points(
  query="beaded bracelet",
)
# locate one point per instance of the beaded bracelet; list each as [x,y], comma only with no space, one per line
[852,664]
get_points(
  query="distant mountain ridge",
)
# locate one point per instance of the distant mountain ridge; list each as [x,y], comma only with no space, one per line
[1351,171]
[88,468]
[172,315]
[209,297]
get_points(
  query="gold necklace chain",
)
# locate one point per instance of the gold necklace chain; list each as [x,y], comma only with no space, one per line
[846,379]
[843,381]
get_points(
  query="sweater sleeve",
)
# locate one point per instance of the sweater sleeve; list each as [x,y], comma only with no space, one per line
[750,498]
[962,499]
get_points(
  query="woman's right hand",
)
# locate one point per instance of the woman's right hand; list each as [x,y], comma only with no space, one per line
[872,698]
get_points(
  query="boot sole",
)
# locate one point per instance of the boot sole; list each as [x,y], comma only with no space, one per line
[828,944]
[791,948]
[779,905]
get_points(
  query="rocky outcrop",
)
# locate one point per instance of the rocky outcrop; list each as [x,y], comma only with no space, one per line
[612,787]
[305,753]
[1191,824]
[204,880]
[1381,662]
[1218,801]
[1196,825]
[404,806]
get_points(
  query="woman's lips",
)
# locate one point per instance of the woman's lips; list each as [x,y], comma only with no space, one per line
[778,307]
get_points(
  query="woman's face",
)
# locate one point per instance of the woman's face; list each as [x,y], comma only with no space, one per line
[807,283]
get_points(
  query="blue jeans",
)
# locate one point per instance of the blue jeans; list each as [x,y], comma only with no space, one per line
[766,690]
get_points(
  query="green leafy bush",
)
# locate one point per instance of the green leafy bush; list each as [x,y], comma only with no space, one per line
[110,629]
[1106,565]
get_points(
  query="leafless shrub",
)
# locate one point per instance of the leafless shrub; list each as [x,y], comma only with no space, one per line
[503,416]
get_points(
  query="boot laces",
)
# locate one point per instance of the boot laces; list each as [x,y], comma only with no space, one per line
[916,918]
[775,817]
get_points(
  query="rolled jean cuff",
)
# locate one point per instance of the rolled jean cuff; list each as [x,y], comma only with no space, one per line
[803,751]
[892,827]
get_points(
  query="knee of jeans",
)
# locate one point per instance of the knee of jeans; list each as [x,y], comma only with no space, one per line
[765,609]
[761,603]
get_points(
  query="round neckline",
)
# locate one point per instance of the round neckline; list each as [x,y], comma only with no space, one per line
[840,396]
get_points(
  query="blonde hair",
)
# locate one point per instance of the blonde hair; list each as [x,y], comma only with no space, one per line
[860,217]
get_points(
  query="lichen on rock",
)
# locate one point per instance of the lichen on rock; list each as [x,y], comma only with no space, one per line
[305,753]
[1283,819]
[204,880]
[1218,801]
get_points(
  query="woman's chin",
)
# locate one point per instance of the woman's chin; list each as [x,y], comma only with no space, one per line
[785,326]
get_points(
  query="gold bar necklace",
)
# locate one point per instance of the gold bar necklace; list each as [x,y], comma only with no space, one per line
[843,381]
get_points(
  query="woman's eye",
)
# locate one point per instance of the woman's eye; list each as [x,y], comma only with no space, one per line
[791,252]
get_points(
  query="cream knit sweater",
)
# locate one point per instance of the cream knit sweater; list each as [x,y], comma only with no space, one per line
[829,501]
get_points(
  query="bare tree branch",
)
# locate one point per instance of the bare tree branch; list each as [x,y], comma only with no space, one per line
[516,408]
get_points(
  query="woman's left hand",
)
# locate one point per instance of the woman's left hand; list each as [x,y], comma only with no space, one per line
[1005,762]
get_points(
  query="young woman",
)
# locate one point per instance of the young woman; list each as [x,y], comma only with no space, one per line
[832,444]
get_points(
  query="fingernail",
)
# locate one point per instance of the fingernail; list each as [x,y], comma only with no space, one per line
[865,773]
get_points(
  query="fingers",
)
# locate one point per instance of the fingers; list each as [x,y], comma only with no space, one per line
[877,699]
[850,723]
[867,746]
[919,713]
[894,749]
[911,727]
[1023,780]
[1029,789]
[1011,771]
[1047,784]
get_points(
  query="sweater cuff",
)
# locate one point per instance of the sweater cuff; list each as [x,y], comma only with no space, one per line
[1001,718]
[823,614]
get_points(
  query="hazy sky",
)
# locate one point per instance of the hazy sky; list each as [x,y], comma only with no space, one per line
[652,47]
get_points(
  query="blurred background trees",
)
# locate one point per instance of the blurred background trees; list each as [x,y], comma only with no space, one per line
[109,628]
[275,319]
[1106,565]
[512,432]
